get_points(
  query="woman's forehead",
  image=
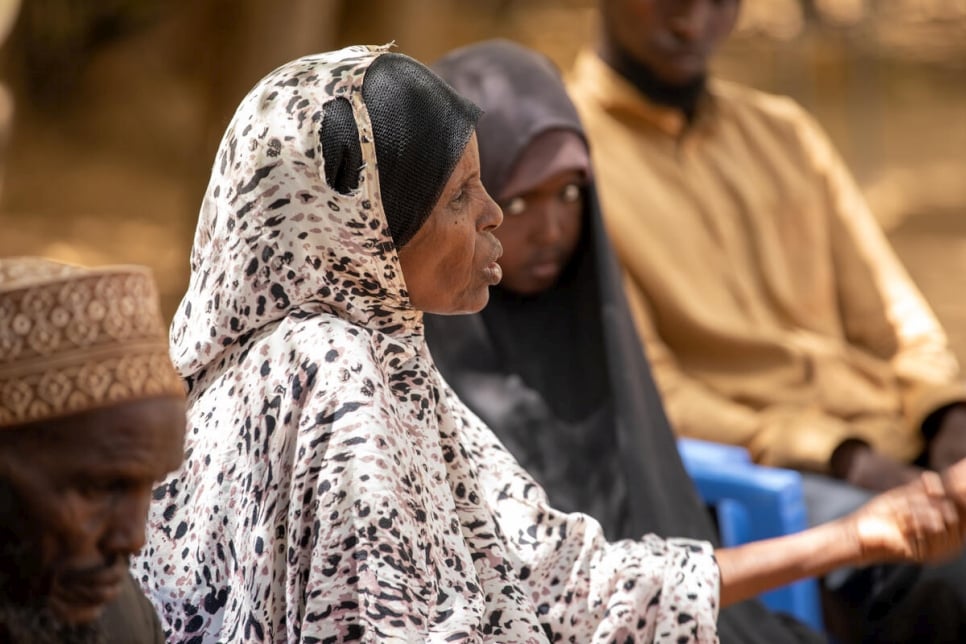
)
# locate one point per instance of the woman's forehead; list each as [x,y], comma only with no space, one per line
[549,154]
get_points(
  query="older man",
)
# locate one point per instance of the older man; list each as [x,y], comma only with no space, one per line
[91,415]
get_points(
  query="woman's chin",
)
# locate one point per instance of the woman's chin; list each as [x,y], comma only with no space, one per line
[476,304]
[468,305]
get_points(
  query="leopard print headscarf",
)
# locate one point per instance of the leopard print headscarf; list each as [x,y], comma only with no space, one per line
[334,488]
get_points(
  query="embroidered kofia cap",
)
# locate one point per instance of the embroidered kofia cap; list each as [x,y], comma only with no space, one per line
[74,339]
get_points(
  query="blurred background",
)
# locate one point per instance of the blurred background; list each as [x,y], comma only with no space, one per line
[112,109]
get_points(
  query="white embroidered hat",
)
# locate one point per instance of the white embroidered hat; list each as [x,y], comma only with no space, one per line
[74,339]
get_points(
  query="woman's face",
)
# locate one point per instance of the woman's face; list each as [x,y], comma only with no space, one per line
[451,262]
[543,218]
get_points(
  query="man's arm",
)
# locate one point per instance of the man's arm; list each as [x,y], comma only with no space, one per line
[884,313]
[781,435]
[945,432]
[858,463]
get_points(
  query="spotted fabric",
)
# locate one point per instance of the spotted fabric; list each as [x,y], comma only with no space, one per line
[334,487]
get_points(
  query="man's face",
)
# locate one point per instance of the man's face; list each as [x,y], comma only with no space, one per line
[672,38]
[80,487]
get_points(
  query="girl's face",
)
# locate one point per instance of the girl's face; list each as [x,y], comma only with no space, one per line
[543,219]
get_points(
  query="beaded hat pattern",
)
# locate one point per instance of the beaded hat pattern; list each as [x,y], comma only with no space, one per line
[74,339]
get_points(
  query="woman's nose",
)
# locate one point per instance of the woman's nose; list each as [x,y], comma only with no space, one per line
[492,216]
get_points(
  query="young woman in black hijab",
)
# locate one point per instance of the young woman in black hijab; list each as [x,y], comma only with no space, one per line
[553,364]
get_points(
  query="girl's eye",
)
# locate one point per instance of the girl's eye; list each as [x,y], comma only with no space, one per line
[570,193]
[515,206]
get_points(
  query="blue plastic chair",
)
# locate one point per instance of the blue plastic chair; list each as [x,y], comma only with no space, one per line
[752,503]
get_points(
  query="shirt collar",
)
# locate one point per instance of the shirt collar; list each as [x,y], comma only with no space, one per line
[614,93]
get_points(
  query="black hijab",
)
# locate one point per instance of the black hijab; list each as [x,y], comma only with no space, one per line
[561,376]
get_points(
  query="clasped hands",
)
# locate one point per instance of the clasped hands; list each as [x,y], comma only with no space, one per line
[923,520]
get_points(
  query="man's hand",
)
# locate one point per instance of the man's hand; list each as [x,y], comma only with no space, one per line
[948,446]
[857,463]
[954,482]
[919,521]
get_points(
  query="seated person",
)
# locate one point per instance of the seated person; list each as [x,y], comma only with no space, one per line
[774,313]
[553,364]
[91,417]
[334,487]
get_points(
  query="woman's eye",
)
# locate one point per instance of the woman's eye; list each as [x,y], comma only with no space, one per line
[570,193]
[515,206]
[458,198]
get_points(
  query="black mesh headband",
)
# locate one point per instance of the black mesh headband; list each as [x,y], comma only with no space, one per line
[420,128]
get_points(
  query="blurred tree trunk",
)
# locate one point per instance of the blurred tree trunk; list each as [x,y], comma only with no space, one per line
[244,40]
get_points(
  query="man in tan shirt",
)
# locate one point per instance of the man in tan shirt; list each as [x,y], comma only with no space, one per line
[774,313]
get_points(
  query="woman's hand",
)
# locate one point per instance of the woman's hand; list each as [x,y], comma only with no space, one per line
[920,521]
[923,520]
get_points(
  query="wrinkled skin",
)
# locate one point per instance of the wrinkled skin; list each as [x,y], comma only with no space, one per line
[75,494]
[451,261]
[920,521]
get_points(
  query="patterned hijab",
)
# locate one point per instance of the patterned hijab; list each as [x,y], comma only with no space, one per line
[334,488]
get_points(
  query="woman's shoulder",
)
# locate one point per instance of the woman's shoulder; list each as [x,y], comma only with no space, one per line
[334,343]
[313,355]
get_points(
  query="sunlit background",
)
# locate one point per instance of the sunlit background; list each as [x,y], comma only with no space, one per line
[113,108]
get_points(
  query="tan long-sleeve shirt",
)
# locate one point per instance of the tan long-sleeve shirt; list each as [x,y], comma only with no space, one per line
[773,310]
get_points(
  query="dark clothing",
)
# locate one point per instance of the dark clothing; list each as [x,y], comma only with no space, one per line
[560,376]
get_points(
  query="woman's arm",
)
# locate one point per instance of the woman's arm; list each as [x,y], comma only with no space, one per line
[920,521]
[759,566]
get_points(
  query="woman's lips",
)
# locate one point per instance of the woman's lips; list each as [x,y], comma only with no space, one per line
[493,270]
[494,273]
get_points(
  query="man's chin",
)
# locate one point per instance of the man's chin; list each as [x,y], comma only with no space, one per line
[82,601]
[76,615]
[43,626]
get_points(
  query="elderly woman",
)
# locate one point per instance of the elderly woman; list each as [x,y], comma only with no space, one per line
[334,487]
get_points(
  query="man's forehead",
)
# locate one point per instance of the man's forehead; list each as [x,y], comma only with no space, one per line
[145,433]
